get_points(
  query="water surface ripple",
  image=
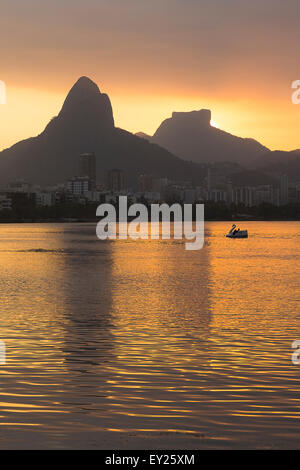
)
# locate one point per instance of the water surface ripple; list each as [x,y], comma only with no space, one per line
[109,342]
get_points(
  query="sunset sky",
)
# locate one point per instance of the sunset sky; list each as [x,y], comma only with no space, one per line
[236,57]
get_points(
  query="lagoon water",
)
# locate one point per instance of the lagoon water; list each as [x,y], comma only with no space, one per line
[132,344]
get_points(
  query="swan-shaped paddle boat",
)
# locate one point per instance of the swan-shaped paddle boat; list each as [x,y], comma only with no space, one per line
[237,233]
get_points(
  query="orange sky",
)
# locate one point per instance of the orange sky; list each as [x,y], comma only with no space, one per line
[237,58]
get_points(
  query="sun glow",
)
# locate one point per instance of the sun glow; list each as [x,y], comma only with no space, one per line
[214,124]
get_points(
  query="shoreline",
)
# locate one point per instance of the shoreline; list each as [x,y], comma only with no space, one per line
[130,219]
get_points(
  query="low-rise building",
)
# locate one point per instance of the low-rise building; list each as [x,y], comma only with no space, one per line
[44,199]
[145,183]
[264,194]
[116,180]
[243,195]
[79,185]
[217,195]
[5,203]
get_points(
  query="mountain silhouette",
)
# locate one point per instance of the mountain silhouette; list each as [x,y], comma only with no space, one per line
[143,135]
[190,136]
[281,162]
[86,124]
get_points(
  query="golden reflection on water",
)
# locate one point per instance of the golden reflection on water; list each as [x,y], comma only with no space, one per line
[147,337]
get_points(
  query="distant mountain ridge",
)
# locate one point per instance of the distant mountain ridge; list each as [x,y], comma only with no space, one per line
[142,135]
[280,162]
[190,136]
[86,124]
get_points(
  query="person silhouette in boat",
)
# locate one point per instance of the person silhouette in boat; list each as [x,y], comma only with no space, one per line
[235,231]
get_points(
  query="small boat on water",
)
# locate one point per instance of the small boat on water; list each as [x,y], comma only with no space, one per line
[237,233]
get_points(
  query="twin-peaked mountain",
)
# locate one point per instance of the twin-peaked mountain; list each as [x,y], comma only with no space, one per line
[86,124]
